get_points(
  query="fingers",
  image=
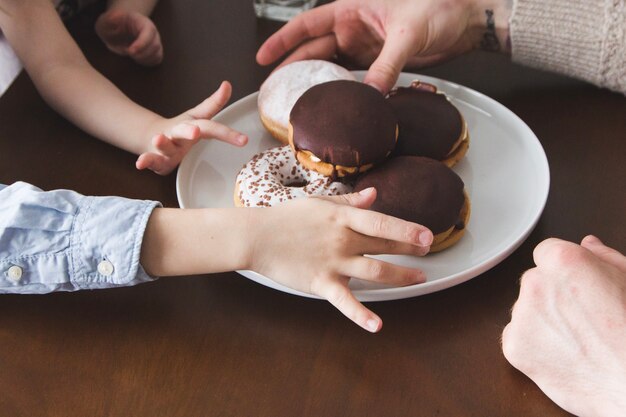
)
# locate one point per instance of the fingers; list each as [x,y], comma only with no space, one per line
[383,272]
[206,110]
[213,130]
[544,250]
[363,199]
[384,71]
[212,105]
[376,246]
[186,131]
[313,23]
[111,24]
[131,34]
[324,47]
[154,162]
[147,49]
[603,252]
[340,296]
[376,224]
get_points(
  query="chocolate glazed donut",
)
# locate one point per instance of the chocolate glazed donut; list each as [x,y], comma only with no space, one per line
[341,128]
[429,125]
[423,191]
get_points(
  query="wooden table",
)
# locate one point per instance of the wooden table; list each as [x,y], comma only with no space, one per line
[221,345]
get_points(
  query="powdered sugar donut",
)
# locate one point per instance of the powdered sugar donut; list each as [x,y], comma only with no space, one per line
[283,87]
[276,176]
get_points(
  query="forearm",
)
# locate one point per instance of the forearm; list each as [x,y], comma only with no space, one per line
[144,7]
[68,82]
[82,95]
[189,242]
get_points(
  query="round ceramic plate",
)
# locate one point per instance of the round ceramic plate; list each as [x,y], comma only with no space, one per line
[505,172]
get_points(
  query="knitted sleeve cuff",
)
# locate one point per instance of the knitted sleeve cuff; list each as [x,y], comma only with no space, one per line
[584,39]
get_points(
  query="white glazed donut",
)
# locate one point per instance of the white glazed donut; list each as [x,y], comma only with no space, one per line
[276,176]
[284,86]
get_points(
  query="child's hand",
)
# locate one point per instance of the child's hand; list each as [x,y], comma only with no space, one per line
[315,245]
[132,34]
[180,133]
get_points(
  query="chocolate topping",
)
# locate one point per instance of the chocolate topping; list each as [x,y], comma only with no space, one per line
[429,124]
[345,123]
[416,189]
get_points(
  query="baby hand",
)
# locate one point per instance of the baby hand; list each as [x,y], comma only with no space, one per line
[131,34]
[180,133]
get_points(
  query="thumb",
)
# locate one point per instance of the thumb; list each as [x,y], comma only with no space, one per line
[212,105]
[603,252]
[362,199]
[384,71]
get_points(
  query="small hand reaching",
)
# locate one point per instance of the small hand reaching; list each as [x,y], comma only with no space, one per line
[177,135]
[321,243]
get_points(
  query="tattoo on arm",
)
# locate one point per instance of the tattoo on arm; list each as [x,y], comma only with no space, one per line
[490,40]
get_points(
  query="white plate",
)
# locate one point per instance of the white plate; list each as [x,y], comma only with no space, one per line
[505,173]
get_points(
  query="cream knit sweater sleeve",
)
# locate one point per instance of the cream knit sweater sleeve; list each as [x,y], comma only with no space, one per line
[585,39]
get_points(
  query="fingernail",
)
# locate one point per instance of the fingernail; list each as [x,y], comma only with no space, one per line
[366,191]
[242,139]
[425,238]
[372,325]
[592,239]
[374,84]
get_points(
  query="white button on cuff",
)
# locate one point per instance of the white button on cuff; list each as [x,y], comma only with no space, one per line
[14,274]
[105,268]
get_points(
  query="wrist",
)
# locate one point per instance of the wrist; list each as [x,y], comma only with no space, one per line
[489,24]
[196,241]
[249,222]
[153,125]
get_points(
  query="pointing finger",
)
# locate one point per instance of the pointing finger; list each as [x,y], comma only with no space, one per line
[384,72]
[313,23]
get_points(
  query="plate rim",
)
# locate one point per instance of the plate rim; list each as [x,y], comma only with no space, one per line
[394,293]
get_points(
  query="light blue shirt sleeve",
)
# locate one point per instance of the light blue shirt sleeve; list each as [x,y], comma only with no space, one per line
[64,241]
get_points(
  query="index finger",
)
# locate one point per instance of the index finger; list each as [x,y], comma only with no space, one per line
[313,23]
[384,71]
[372,223]
[339,295]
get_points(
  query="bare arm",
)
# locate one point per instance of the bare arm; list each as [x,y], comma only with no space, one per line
[67,81]
[77,91]
[185,242]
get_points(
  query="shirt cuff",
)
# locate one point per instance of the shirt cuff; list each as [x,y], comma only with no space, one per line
[102,257]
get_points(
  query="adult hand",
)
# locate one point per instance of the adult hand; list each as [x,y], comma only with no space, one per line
[321,243]
[177,135]
[386,34]
[568,327]
[130,34]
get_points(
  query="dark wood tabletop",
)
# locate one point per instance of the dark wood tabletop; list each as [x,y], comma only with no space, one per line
[222,345]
